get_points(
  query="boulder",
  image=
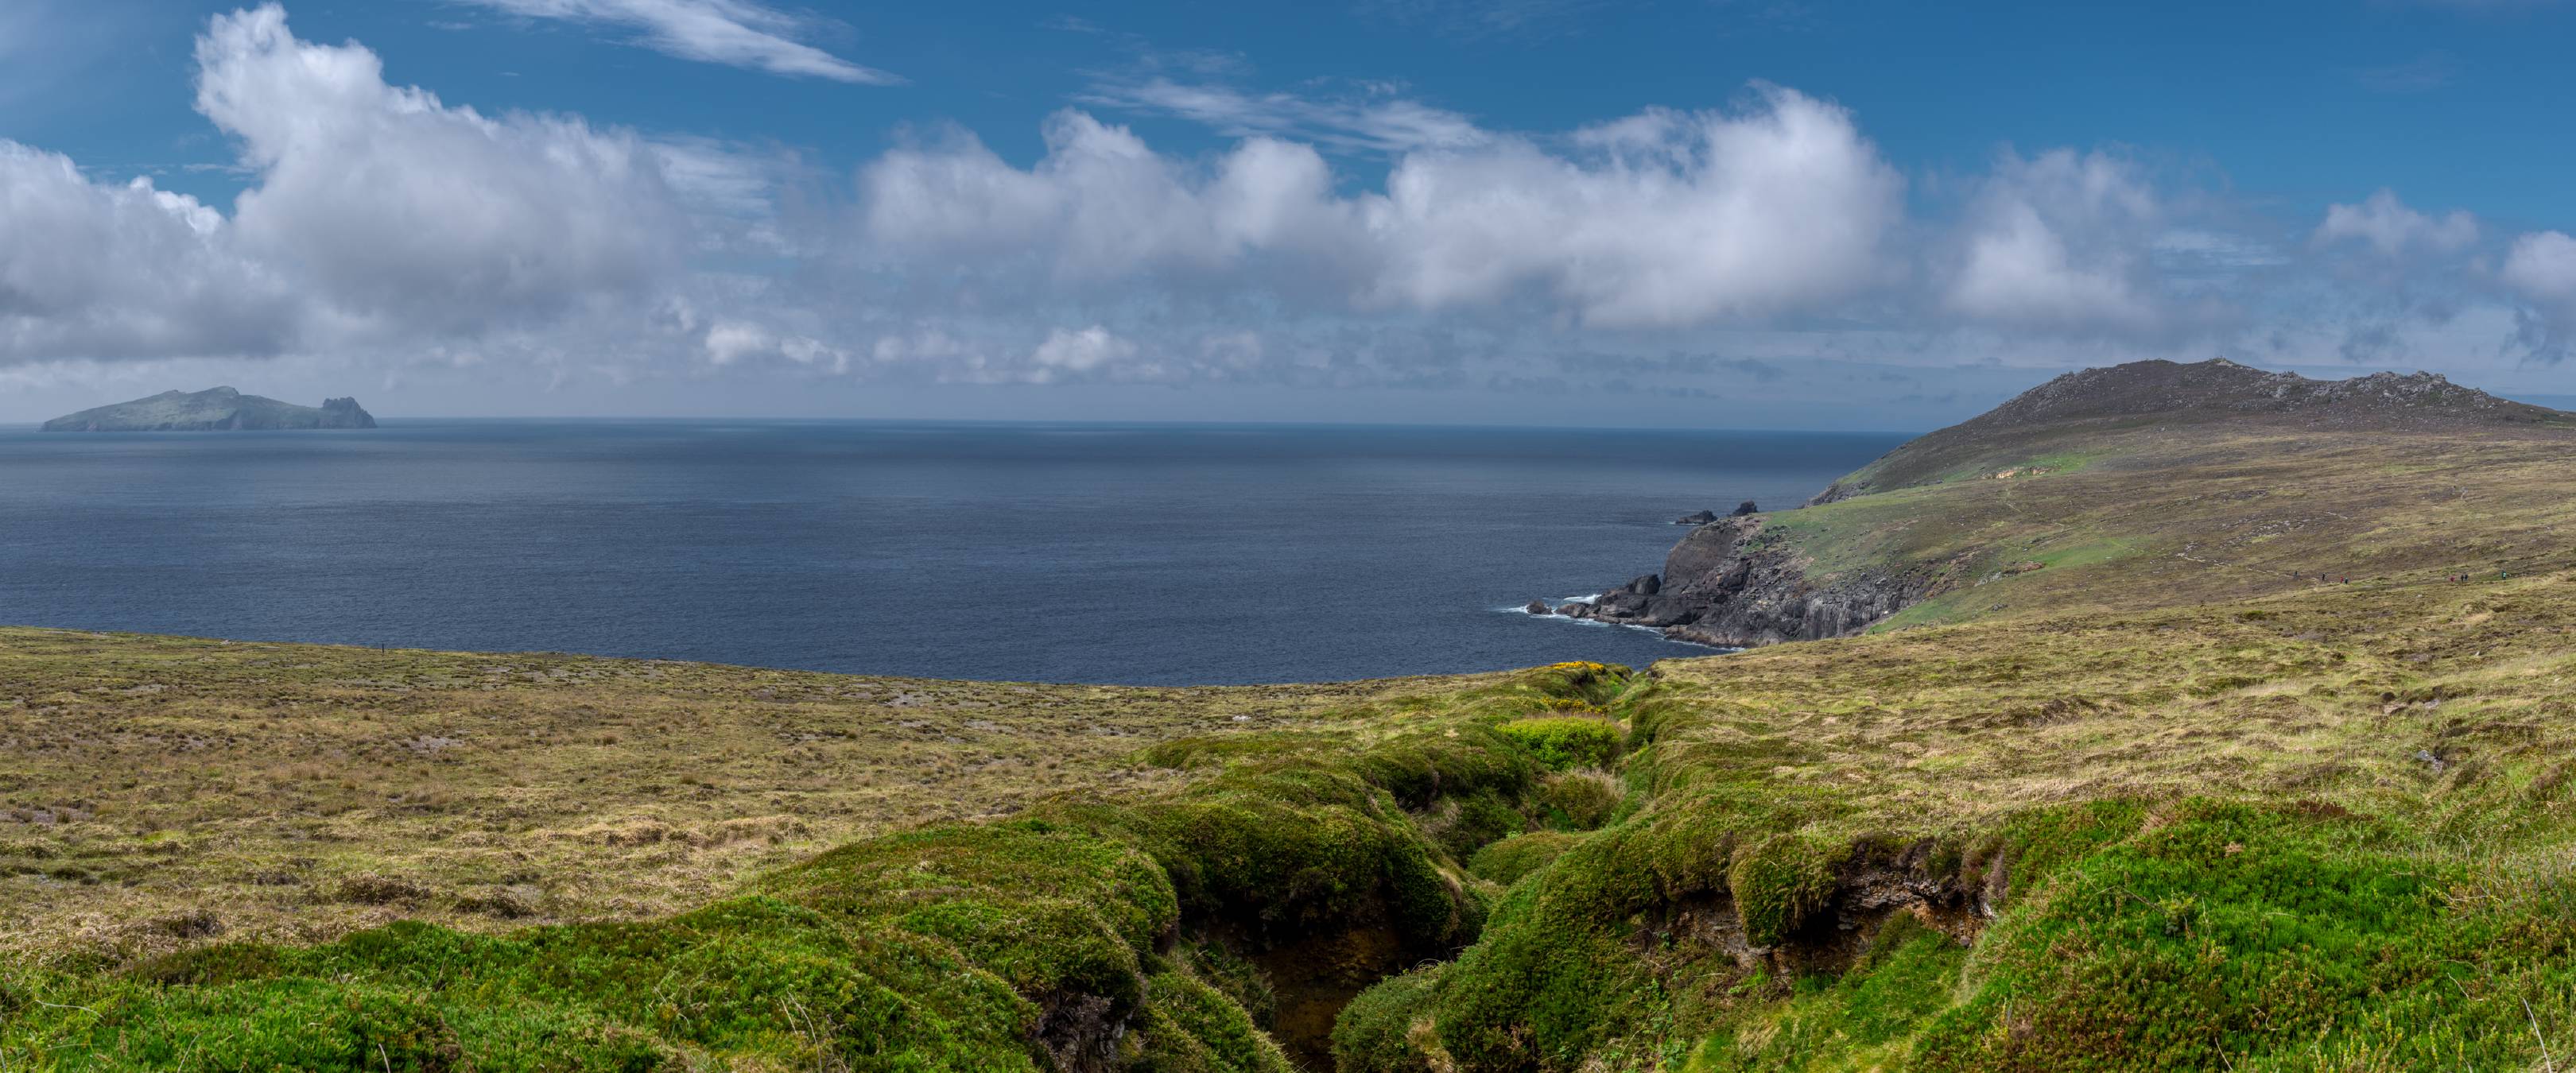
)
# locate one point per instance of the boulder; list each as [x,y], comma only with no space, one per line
[1699,518]
[1644,585]
[1619,603]
[1574,610]
[1666,611]
[1537,607]
[1742,509]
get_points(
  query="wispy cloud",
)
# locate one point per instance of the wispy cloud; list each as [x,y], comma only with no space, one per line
[1373,120]
[737,33]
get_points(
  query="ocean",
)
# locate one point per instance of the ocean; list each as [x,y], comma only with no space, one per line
[1138,554]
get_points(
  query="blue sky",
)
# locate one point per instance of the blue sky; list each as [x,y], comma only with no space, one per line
[1684,212]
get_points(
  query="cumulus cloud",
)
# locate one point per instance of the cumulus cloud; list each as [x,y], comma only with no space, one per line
[1667,218]
[736,33]
[377,218]
[429,216]
[730,341]
[2387,226]
[2541,268]
[1082,351]
[111,271]
[2060,241]
[1100,205]
[2542,265]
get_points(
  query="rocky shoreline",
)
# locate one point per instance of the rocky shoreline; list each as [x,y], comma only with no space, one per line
[1723,586]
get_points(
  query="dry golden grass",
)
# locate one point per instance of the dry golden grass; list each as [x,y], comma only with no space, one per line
[2344,692]
[2146,519]
[154,790]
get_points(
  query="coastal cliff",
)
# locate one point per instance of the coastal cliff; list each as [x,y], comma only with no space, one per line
[1731,588]
[1957,509]
[219,409]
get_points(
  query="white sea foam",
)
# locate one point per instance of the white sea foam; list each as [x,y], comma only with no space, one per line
[1523,609]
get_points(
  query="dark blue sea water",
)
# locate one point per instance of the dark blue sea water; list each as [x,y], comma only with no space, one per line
[1070,553]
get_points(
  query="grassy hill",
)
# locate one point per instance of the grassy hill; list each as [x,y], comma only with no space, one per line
[2267,766]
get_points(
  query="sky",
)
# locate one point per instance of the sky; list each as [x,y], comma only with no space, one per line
[1673,213]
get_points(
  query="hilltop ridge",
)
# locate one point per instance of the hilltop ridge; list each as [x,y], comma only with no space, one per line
[2045,481]
[216,409]
[2199,392]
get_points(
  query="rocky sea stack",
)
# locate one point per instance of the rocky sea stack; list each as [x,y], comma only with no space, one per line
[220,409]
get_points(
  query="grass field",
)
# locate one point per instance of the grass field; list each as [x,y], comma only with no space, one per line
[2181,797]
[157,791]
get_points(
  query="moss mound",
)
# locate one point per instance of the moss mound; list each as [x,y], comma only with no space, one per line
[1505,862]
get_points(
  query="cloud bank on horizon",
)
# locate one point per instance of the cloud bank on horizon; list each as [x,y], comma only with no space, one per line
[1357,241]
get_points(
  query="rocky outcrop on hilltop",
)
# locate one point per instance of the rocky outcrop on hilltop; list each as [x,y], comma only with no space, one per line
[220,409]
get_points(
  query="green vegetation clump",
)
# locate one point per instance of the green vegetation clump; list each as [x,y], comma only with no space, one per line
[1778,883]
[1579,800]
[1505,862]
[1859,1019]
[2233,933]
[1289,847]
[1386,1029]
[1566,741]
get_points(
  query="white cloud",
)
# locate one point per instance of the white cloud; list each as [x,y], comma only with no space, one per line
[2060,241]
[409,211]
[1667,219]
[2386,225]
[1082,351]
[731,341]
[736,33]
[96,270]
[2542,266]
[1100,206]
[1374,122]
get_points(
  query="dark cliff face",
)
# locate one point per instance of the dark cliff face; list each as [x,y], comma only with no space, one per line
[1724,586]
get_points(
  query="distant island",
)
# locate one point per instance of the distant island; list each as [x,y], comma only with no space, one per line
[220,409]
